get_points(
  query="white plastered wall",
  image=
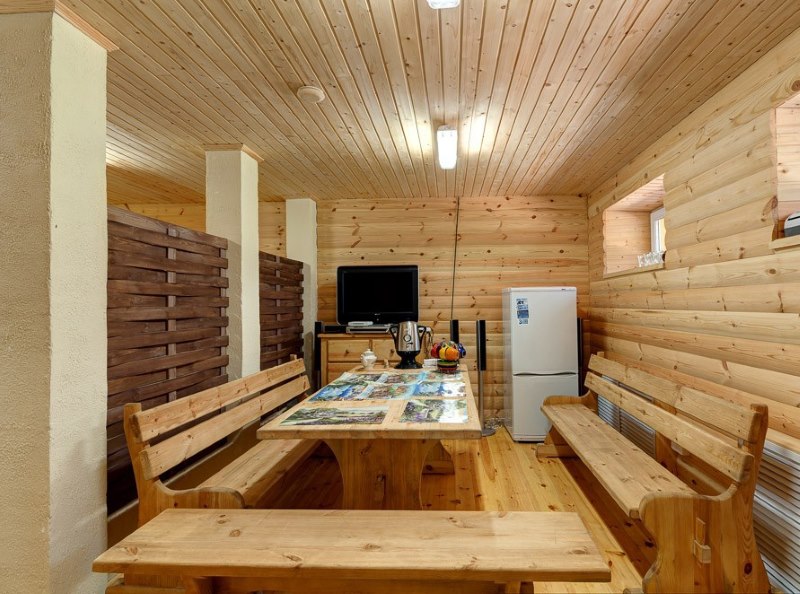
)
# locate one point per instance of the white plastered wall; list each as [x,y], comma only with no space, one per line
[301,244]
[53,327]
[232,213]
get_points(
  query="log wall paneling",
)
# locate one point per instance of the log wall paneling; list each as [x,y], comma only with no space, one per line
[503,242]
[724,310]
[185,214]
[626,234]
[166,324]
[271,220]
[281,309]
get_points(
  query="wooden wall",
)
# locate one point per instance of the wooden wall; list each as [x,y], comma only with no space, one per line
[726,307]
[627,234]
[272,220]
[503,242]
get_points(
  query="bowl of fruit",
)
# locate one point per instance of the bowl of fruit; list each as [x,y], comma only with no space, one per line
[447,354]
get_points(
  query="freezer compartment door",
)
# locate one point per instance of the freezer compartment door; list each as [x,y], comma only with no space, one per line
[526,422]
[544,336]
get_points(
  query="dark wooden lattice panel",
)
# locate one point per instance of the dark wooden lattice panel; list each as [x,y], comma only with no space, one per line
[281,309]
[166,324]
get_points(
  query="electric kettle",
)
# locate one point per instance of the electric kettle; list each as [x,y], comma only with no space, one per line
[408,338]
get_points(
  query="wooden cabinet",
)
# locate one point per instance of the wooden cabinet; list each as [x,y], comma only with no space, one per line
[342,352]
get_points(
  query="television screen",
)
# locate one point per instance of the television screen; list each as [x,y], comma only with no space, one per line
[377,294]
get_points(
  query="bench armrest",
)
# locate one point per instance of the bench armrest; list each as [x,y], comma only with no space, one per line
[162,497]
[588,399]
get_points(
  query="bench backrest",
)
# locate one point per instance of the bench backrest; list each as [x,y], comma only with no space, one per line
[726,435]
[234,402]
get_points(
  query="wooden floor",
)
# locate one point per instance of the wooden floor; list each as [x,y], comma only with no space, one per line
[496,473]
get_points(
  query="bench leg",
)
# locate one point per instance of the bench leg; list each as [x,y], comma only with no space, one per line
[704,544]
[196,585]
[670,522]
[126,585]
[733,546]
[515,588]
[554,446]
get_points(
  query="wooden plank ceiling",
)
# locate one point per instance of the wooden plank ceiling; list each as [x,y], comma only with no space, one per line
[549,96]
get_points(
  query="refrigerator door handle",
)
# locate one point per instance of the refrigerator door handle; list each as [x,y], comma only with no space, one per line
[544,374]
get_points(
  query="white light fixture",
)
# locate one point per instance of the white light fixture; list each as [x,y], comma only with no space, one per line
[309,94]
[438,4]
[447,146]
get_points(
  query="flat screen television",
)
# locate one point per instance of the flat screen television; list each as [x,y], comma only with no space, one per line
[377,294]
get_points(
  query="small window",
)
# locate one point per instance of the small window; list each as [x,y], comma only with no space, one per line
[787,126]
[634,227]
[658,231]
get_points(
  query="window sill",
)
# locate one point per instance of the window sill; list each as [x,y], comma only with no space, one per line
[636,270]
[785,243]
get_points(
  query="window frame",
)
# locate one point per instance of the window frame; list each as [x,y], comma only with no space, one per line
[656,216]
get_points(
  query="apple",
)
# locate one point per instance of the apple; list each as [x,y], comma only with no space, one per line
[451,353]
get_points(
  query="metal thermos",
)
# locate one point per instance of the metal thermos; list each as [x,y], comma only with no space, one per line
[406,337]
[408,342]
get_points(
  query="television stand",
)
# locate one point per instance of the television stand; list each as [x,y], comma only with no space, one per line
[371,329]
[342,352]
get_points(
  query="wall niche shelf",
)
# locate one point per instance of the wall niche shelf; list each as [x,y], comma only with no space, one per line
[636,270]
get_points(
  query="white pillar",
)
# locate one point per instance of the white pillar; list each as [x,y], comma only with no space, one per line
[53,327]
[232,212]
[301,244]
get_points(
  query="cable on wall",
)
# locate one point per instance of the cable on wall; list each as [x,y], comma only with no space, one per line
[455,256]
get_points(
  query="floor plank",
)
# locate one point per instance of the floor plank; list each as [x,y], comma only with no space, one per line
[496,473]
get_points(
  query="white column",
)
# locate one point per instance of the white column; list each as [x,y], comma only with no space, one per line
[301,244]
[232,212]
[53,326]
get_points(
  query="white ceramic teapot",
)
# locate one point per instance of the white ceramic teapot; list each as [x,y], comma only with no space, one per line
[368,359]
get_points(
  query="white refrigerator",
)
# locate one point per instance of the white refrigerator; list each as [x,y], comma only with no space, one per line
[541,355]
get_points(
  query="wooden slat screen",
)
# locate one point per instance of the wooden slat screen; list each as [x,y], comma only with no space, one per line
[281,309]
[166,324]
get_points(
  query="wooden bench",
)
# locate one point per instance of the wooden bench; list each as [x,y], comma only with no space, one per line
[364,551]
[162,437]
[696,498]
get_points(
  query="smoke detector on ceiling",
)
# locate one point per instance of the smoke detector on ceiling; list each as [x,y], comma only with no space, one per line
[309,94]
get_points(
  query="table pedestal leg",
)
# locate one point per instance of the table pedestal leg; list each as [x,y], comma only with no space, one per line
[439,461]
[381,473]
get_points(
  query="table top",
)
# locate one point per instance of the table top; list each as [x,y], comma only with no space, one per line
[361,544]
[416,401]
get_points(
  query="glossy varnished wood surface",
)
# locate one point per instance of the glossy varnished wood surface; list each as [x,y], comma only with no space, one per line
[498,474]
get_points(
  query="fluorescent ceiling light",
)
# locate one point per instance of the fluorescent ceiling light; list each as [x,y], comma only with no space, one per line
[447,146]
[443,3]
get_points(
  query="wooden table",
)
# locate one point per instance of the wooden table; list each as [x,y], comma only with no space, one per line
[381,464]
[370,552]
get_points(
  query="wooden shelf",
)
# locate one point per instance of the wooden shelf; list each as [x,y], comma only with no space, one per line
[785,243]
[636,270]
